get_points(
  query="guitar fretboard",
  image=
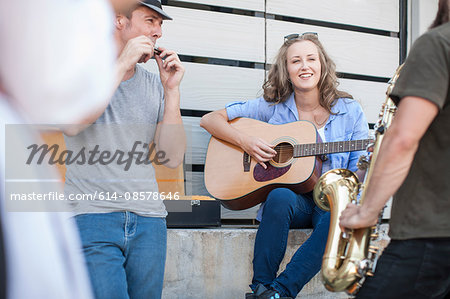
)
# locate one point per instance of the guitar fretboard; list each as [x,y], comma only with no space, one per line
[313,149]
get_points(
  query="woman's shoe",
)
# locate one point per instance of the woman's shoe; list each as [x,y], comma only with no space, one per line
[251,296]
[261,292]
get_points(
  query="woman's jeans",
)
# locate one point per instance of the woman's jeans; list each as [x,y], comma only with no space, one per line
[283,210]
[125,254]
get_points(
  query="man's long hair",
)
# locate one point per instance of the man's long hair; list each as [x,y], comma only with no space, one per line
[278,86]
[442,15]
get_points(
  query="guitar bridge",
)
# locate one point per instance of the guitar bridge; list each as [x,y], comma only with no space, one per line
[246,162]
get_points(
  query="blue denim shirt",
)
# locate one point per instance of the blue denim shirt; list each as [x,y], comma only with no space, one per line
[347,123]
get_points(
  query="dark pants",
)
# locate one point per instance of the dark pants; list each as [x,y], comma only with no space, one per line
[416,268]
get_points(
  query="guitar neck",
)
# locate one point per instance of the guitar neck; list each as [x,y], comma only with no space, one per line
[314,149]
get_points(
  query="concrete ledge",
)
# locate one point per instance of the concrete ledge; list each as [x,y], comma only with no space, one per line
[217,263]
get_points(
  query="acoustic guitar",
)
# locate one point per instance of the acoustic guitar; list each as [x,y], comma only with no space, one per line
[232,176]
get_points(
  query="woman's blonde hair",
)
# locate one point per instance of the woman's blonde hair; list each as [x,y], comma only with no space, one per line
[278,86]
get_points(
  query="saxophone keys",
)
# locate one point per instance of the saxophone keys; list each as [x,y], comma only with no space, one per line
[363,162]
[373,249]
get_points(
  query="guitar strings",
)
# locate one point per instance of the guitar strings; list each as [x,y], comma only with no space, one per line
[316,144]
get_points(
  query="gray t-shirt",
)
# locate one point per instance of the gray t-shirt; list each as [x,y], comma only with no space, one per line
[113,182]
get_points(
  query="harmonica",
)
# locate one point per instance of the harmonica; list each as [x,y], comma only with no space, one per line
[144,57]
[157,51]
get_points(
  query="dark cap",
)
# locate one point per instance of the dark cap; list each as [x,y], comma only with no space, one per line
[156,6]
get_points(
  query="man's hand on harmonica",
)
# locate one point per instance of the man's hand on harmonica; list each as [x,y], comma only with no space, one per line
[171,70]
[137,50]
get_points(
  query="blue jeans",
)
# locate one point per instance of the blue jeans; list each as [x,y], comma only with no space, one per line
[125,254]
[283,210]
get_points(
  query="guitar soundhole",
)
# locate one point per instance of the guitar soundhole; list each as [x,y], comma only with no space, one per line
[285,152]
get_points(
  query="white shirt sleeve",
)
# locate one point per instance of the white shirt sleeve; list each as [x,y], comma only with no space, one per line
[57,57]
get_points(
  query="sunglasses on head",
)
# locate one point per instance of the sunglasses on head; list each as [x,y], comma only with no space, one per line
[296,35]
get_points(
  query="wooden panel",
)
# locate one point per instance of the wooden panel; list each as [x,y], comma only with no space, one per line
[214,34]
[210,87]
[254,5]
[50,138]
[169,180]
[380,14]
[353,52]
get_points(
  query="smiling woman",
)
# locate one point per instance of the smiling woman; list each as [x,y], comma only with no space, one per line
[278,87]
[301,85]
[303,66]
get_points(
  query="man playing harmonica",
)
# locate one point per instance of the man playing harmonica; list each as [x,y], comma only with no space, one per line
[124,238]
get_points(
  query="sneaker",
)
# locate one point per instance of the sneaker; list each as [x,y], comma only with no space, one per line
[251,296]
[262,292]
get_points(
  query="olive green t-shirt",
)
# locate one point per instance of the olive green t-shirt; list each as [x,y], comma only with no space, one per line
[421,207]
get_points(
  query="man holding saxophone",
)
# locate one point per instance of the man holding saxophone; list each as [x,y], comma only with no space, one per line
[414,166]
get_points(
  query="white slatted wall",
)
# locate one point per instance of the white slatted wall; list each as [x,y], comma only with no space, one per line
[422,14]
[225,45]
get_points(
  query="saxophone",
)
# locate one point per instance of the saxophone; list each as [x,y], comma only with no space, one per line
[349,256]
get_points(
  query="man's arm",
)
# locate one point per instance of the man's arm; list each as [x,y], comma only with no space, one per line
[170,136]
[413,117]
[131,54]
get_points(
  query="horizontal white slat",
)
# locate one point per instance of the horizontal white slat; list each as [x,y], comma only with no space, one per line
[353,52]
[369,94]
[254,5]
[210,87]
[380,14]
[214,34]
[242,214]
[195,183]
[422,15]
[197,140]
